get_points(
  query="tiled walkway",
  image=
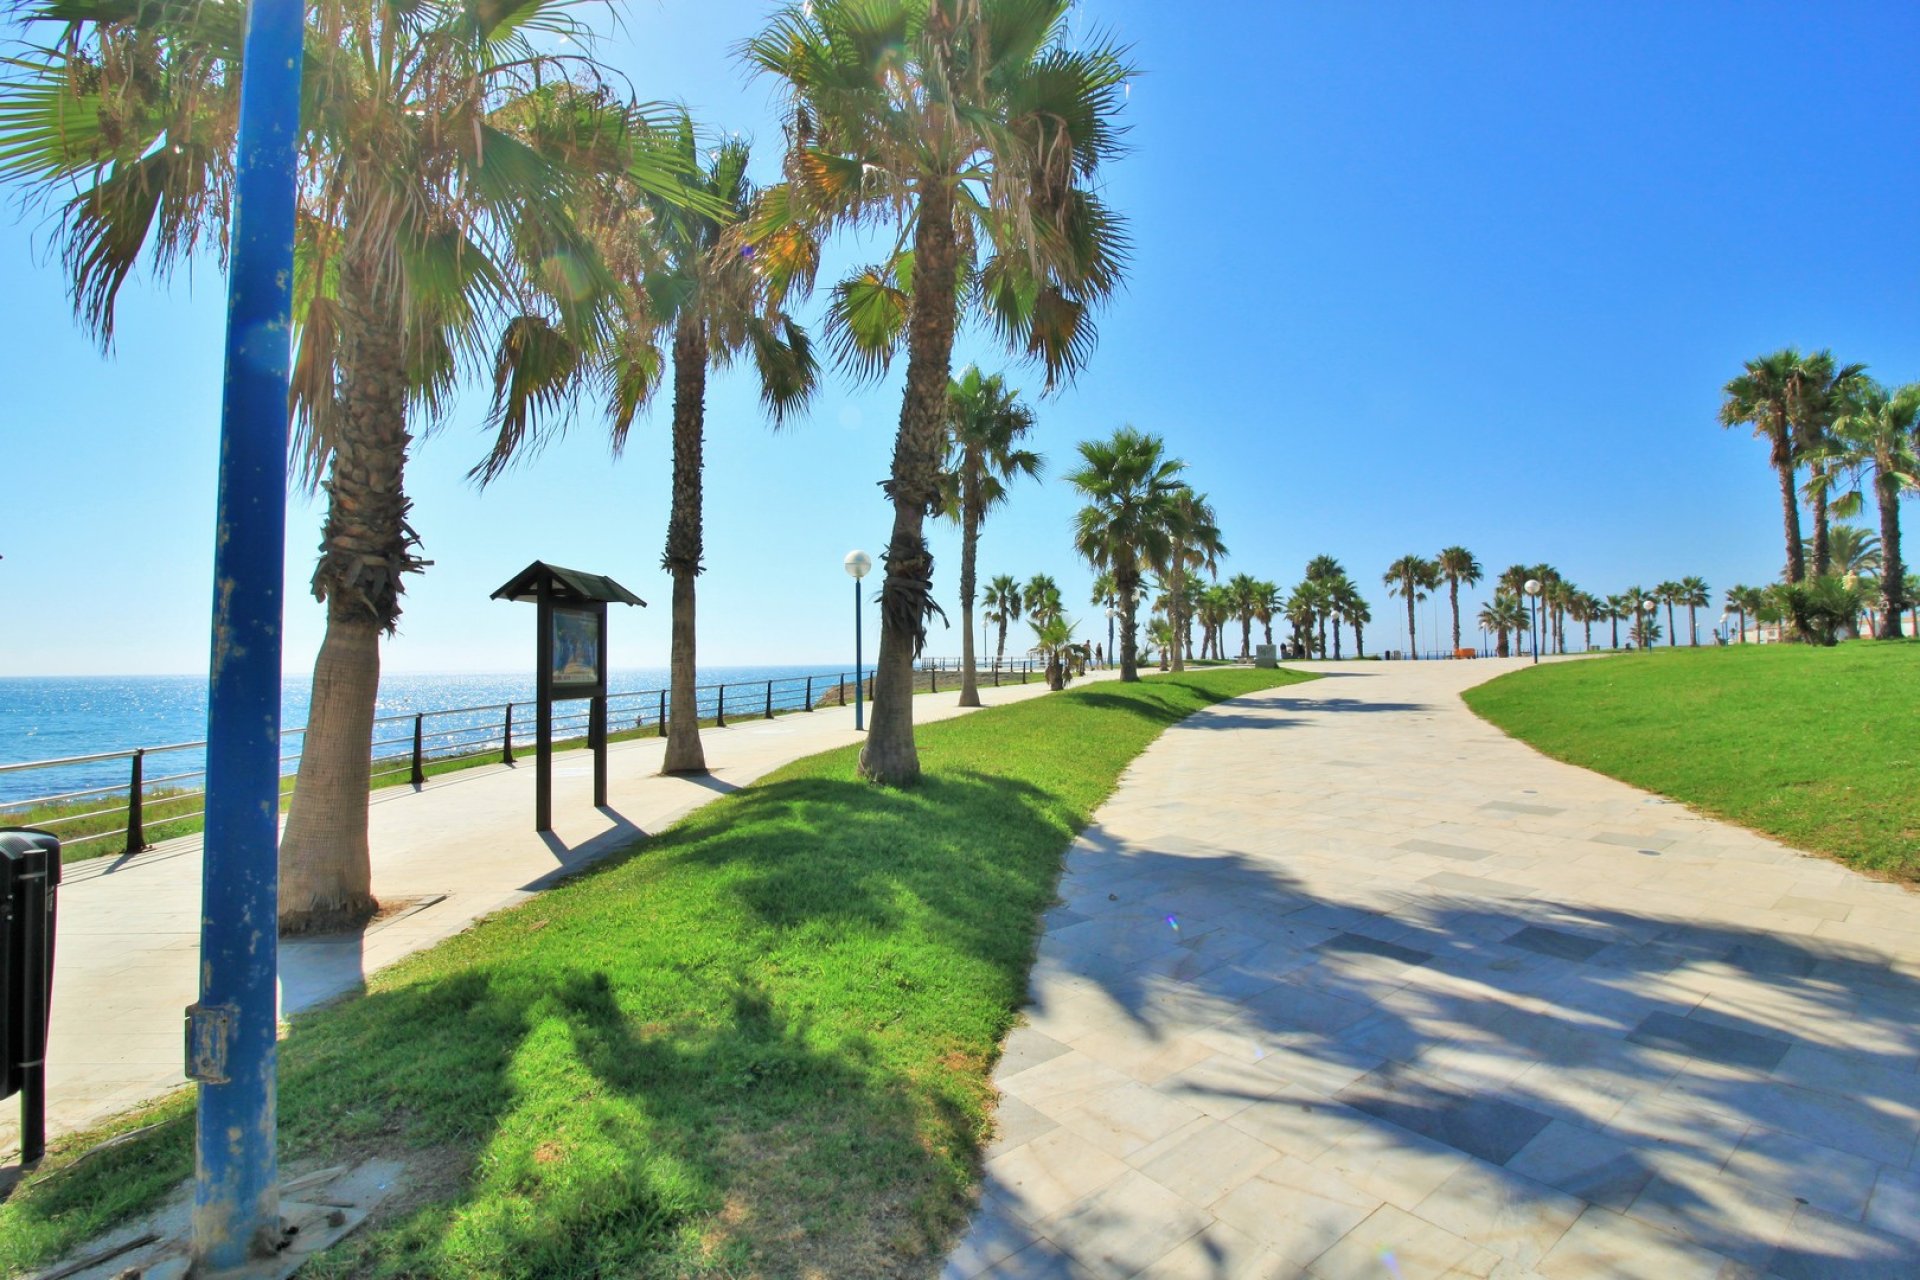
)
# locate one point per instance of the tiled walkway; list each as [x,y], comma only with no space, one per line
[458,848]
[1345,983]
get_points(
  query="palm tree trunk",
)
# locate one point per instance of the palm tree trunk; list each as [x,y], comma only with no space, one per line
[1413,646]
[685,546]
[1822,542]
[1742,613]
[1336,637]
[969,545]
[1000,647]
[1673,632]
[1359,641]
[326,874]
[1790,518]
[1453,598]
[1246,638]
[1127,580]
[1892,570]
[1693,628]
[905,596]
[1323,635]
[1176,601]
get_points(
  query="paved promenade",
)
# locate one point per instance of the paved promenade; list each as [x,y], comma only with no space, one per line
[460,847]
[1345,983]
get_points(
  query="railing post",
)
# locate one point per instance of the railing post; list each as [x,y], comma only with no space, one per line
[506,738]
[769,699]
[136,797]
[720,709]
[419,773]
[663,713]
[809,693]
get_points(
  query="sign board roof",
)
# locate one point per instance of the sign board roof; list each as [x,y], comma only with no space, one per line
[567,586]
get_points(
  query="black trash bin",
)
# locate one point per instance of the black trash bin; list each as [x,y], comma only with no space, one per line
[29,891]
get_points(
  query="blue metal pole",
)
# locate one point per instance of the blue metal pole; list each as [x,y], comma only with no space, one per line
[236,1211]
[859,709]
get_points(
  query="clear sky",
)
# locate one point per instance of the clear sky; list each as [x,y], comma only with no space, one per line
[1406,275]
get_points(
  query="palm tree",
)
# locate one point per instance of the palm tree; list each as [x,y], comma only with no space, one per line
[1411,577]
[1042,596]
[1743,600]
[970,125]
[1853,550]
[442,156]
[1457,565]
[1668,593]
[1132,489]
[1635,599]
[1323,569]
[1877,435]
[984,429]
[1003,604]
[1820,397]
[1505,615]
[1268,603]
[1616,614]
[1195,543]
[688,291]
[1300,616]
[1244,591]
[1216,610]
[1695,595]
[1160,639]
[1350,607]
[1052,636]
[1513,580]
[1763,397]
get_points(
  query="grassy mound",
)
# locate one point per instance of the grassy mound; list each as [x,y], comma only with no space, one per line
[757,1044]
[1817,747]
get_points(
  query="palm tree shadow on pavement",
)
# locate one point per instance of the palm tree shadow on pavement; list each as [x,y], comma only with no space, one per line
[1736,1089]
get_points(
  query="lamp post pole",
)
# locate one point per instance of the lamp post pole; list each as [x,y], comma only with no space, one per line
[231,1030]
[857,564]
[1533,603]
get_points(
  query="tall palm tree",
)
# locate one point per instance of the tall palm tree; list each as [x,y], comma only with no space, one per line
[1132,488]
[1743,600]
[442,156]
[1244,591]
[1877,435]
[1350,607]
[1268,604]
[985,425]
[1457,565]
[1668,593]
[1004,601]
[1513,580]
[1820,397]
[1411,577]
[1042,595]
[1324,568]
[1616,614]
[1695,595]
[1195,544]
[1763,397]
[1635,599]
[1503,616]
[975,129]
[691,298]
[1217,608]
[1300,616]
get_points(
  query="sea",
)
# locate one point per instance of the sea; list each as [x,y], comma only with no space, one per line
[60,717]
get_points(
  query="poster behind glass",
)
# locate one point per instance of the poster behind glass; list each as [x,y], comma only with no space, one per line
[576,650]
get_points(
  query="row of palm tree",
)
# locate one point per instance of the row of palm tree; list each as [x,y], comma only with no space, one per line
[1852,437]
[472,201]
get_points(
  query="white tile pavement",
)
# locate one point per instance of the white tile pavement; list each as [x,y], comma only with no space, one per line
[1345,983]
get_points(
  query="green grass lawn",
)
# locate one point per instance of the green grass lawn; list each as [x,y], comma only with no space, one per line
[1817,747]
[757,1044]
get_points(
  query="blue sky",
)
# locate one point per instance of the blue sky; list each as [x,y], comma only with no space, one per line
[1406,275]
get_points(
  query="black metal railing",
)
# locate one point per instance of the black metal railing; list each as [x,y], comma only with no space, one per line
[101,818]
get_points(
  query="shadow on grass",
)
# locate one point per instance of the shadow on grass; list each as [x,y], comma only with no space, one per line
[757,1043]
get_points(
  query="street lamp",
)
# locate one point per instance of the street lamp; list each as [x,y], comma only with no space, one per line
[1647,607]
[857,565]
[1533,603]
